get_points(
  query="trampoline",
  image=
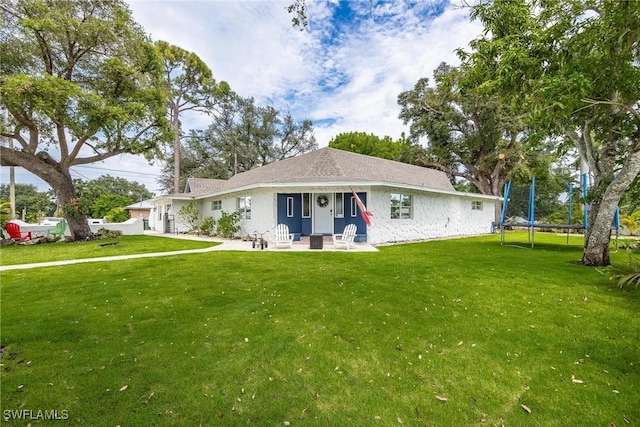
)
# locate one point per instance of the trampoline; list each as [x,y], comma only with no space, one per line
[531,224]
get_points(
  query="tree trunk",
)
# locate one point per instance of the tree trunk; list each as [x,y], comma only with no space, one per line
[596,248]
[175,124]
[598,235]
[73,212]
[496,188]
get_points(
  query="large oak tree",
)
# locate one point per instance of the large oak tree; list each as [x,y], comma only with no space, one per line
[81,83]
[467,134]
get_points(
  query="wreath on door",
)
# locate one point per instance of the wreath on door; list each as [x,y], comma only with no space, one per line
[322,201]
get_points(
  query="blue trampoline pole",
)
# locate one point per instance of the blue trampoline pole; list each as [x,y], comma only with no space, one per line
[532,210]
[505,203]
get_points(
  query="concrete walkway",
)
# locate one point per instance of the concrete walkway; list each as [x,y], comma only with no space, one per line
[225,245]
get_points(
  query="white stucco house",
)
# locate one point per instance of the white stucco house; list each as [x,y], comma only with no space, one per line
[311,193]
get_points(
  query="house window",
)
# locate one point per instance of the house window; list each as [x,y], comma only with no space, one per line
[354,207]
[339,205]
[244,207]
[216,205]
[401,206]
[476,206]
[289,207]
[306,205]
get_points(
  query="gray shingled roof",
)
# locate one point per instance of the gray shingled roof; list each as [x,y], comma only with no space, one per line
[332,165]
[198,186]
[326,165]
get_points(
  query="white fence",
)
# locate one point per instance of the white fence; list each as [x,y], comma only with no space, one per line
[131,226]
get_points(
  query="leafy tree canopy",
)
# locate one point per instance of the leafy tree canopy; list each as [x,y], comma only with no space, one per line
[469,134]
[369,144]
[571,67]
[29,200]
[81,83]
[90,191]
[107,202]
[242,136]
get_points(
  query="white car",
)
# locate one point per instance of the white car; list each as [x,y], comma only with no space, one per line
[50,220]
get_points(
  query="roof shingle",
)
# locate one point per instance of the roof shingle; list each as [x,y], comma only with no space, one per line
[327,165]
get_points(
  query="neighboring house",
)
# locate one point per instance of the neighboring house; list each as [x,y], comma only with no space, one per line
[311,193]
[143,210]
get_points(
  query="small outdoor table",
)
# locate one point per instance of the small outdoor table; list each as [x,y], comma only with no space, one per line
[315,241]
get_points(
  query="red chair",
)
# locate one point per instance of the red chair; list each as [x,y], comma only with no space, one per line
[14,232]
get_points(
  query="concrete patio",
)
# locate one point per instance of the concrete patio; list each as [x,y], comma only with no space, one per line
[244,245]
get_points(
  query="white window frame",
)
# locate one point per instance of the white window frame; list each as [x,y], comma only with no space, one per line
[354,207]
[476,205]
[306,205]
[216,205]
[339,205]
[243,205]
[289,207]
[401,206]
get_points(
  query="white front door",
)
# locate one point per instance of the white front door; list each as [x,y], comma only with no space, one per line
[322,213]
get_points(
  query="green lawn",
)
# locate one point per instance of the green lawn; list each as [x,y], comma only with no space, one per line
[126,245]
[444,333]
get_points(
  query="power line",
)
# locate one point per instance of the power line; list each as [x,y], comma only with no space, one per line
[116,170]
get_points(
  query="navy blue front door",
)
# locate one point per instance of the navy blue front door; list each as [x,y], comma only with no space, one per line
[290,212]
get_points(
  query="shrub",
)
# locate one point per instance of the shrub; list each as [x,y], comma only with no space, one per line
[117,215]
[189,215]
[208,226]
[631,222]
[228,224]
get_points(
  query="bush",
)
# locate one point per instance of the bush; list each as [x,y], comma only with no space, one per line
[208,226]
[189,215]
[228,224]
[117,215]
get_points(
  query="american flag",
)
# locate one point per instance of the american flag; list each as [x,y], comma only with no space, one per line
[366,215]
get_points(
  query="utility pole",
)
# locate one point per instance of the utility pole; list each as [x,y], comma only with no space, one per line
[12,175]
[12,187]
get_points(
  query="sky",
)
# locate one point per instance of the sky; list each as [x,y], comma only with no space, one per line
[343,72]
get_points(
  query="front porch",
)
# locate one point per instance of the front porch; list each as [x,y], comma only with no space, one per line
[324,213]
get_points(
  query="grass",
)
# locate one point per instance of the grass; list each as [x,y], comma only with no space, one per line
[457,332]
[126,245]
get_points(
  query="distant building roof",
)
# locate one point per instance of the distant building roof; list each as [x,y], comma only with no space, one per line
[144,204]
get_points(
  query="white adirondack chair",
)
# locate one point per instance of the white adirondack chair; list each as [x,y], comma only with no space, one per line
[345,240]
[281,237]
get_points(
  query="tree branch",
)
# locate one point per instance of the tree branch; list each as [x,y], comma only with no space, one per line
[446,169]
[626,107]
[101,156]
